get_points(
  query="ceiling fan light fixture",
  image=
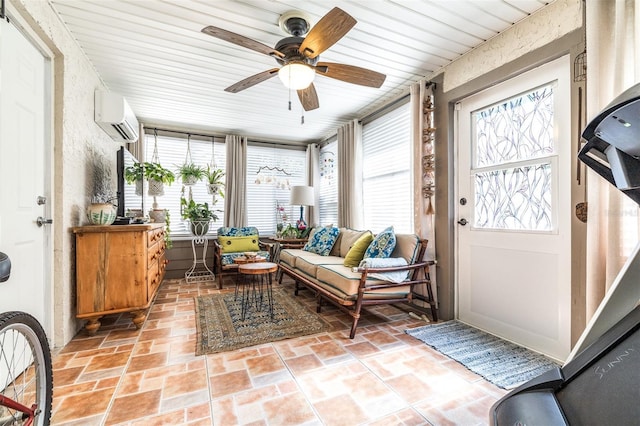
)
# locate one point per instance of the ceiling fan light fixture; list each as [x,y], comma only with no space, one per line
[296,76]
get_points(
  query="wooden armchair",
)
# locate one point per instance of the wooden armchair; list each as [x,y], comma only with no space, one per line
[231,243]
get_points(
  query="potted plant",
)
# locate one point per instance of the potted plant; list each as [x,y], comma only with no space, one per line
[214,180]
[135,174]
[157,176]
[190,173]
[102,210]
[199,215]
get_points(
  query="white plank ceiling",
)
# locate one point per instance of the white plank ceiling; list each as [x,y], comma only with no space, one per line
[154,53]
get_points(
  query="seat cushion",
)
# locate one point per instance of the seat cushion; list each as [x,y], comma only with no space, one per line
[227,258]
[309,264]
[382,245]
[344,283]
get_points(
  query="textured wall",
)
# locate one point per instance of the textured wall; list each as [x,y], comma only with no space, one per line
[543,27]
[78,142]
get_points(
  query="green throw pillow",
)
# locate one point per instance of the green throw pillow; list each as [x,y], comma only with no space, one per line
[239,244]
[356,252]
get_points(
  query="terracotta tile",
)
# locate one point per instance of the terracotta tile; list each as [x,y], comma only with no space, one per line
[103,362]
[289,410]
[201,411]
[328,349]
[264,364]
[411,388]
[67,376]
[362,349]
[225,384]
[83,344]
[145,362]
[303,364]
[341,410]
[134,406]
[224,412]
[83,405]
[184,383]
[380,338]
[154,334]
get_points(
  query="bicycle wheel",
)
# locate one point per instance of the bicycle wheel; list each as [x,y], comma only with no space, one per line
[26,375]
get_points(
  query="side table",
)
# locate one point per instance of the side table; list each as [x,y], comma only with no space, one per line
[256,281]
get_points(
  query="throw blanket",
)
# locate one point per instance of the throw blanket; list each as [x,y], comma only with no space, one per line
[393,276]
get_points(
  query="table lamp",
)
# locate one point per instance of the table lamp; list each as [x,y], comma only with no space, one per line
[302,196]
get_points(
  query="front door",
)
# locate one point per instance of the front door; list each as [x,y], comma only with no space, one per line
[513,201]
[23,173]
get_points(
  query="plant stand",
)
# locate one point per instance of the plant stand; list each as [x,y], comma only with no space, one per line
[203,274]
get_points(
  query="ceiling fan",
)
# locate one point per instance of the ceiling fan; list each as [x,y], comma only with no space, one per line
[299,56]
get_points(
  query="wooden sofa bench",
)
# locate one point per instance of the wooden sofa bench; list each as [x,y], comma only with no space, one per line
[351,288]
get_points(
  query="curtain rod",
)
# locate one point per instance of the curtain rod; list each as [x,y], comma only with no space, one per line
[295,145]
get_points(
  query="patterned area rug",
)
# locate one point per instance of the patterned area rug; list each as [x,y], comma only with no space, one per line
[220,326]
[503,363]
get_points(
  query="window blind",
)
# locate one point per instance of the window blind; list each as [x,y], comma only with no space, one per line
[171,154]
[387,178]
[271,171]
[329,184]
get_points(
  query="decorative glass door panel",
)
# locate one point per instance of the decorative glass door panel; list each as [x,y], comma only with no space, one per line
[514,209]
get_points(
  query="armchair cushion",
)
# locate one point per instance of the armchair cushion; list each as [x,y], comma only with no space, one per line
[239,244]
[382,245]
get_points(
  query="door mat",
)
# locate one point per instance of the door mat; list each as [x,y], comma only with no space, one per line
[220,326]
[503,363]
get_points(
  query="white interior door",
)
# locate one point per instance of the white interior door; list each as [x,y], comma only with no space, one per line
[23,173]
[513,188]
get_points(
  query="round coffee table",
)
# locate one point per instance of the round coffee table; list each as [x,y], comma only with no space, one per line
[257,281]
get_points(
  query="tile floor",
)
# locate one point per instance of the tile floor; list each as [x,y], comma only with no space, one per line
[124,376]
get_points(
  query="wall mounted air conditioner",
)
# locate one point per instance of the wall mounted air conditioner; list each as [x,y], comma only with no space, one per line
[114,116]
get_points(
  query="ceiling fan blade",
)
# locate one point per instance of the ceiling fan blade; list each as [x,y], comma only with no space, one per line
[329,29]
[351,74]
[241,41]
[309,98]
[252,81]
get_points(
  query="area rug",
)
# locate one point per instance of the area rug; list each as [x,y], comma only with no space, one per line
[503,363]
[220,326]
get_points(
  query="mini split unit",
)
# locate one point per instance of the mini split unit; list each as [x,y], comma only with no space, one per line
[114,116]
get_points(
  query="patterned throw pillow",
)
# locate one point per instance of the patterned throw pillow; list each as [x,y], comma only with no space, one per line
[322,240]
[382,245]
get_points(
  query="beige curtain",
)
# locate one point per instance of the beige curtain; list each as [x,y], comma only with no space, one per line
[313,180]
[350,207]
[235,202]
[613,55]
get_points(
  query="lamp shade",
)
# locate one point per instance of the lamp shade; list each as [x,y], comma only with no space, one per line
[296,76]
[302,196]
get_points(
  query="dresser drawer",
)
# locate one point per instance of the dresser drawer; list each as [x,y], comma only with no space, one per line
[154,236]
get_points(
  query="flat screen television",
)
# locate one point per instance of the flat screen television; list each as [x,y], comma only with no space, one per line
[127,198]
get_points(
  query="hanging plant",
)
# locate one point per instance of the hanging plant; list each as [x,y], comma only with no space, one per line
[214,178]
[190,173]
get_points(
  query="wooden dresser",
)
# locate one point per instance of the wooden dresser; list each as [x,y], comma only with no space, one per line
[118,269]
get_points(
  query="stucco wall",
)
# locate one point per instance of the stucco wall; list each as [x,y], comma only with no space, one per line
[78,142]
[541,28]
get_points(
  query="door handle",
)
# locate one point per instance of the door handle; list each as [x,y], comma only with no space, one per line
[463,221]
[42,221]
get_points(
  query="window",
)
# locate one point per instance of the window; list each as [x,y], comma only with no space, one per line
[329,184]
[171,154]
[271,171]
[387,179]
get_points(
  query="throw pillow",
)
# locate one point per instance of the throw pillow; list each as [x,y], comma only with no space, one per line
[239,244]
[382,245]
[322,240]
[356,252]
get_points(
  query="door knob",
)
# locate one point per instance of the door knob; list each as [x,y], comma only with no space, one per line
[463,221]
[42,221]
